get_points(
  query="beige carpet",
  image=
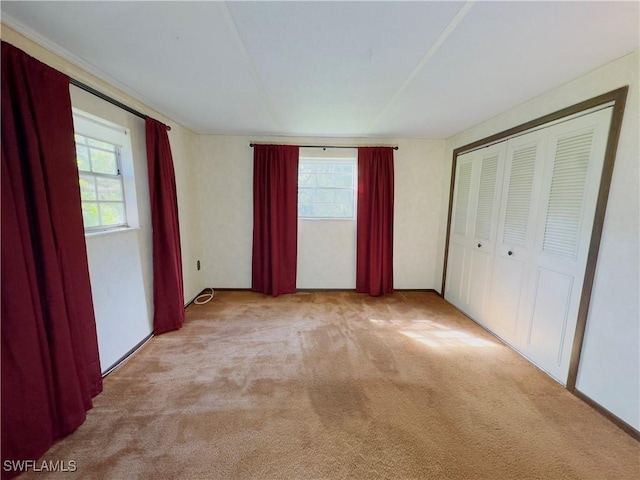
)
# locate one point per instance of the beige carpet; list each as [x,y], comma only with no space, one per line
[338,385]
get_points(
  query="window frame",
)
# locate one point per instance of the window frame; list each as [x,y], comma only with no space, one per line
[328,160]
[91,127]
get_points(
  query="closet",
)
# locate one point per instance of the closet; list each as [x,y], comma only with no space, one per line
[521,222]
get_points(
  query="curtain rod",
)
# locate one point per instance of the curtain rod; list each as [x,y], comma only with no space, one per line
[107,98]
[324,147]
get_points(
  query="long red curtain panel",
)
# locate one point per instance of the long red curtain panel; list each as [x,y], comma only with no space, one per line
[168,294]
[50,362]
[374,257]
[275,219]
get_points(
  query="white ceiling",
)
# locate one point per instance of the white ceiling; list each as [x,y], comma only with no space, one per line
[376,69]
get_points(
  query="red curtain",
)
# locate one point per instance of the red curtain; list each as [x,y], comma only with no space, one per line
[374,257]
[275,219]
[50,364]
[168,294]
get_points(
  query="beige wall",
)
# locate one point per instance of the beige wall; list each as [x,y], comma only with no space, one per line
[225,182]
[610,365]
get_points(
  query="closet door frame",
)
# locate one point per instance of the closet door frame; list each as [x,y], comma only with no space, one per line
[618,99]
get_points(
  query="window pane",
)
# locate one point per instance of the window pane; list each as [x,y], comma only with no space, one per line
[305,209]
[87,187]
[344,168]
[325,195]
[306,179]
[324,167]
[90,215]
[325,210]
[109,189]
[343,180]
[80,139]
[305,195]
[344,196]
[103,145]
[342,210]
[112,213]
[346,210]
[104,162]
[306,168]
[325,179]
[82,157]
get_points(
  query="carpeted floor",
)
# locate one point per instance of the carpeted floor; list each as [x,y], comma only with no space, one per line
[334,386]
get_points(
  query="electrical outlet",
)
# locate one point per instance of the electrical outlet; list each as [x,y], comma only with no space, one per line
[198,264]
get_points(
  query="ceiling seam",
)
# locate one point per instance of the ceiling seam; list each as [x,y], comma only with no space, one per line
[249,61]
[427,56]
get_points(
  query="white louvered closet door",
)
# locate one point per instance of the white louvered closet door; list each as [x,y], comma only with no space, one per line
[457,271]
[485,205]
[516,232]
[473,228]
[574,159]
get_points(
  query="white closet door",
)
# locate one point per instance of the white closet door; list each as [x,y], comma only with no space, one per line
[473,228]
[485,203]
[457,271]
[573,167]
[516,228]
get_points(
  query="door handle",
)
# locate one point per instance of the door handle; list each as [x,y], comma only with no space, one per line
[479,245]
[510,252]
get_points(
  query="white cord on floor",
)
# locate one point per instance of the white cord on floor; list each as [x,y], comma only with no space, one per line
[204,297]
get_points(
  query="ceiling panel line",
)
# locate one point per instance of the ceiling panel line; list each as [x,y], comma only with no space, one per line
[250,64]
[457,19]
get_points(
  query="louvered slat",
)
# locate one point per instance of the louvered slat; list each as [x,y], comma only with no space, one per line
[486,197]
[564,213]
[462,199]
[518,204]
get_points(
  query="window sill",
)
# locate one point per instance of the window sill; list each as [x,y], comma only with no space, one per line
[111,231]
[315,219]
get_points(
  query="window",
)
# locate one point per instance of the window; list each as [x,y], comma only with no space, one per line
[326,188]
[101,186]
[100,149]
